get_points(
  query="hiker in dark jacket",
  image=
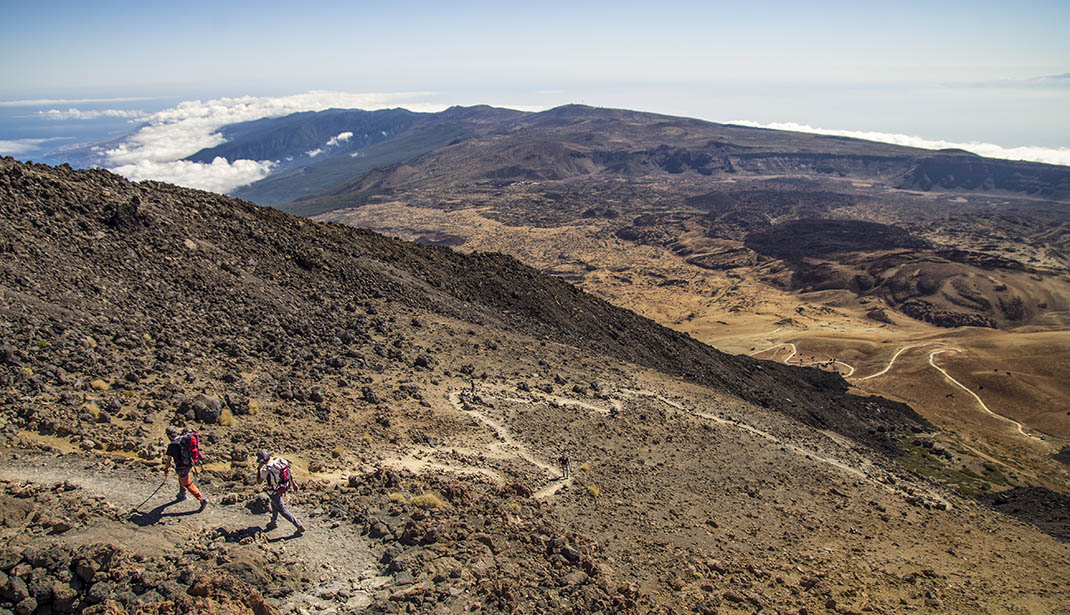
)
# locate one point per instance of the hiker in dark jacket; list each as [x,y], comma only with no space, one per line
[276,473]
[184,452]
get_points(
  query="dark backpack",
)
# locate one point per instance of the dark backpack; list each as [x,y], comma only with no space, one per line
[189,450]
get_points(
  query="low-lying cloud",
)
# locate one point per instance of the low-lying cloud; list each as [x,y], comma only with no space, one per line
[1050,155]
[156,150]
[339,138]
[91,114]
[219,176]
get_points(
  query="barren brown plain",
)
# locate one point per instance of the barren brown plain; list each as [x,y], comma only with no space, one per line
[1007,402]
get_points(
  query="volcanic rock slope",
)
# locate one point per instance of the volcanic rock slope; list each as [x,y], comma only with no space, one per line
[425,397]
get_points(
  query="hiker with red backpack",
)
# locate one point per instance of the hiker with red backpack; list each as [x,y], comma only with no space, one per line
[184,451]
[276,473]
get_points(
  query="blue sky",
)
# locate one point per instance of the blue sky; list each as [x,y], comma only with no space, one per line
[276,47]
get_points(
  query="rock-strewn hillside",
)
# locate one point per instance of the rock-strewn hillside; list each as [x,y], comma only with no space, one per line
[423,397]
[184,268]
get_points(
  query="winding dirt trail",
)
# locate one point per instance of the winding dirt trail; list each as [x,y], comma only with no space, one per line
[894,357]
[871,476]
[509,442]
[980,402]
[419,462]
[519,449]
[932,362]
[336,557]
[795,351]
[750,429]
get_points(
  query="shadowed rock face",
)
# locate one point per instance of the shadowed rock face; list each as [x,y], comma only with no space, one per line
[1044,508]
[967,171]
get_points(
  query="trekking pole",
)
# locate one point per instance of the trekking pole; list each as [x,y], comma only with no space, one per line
[162,483]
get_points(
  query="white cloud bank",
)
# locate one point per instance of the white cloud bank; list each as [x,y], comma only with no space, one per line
[339,138]
[157,149]
[1050,155]
[91,114]
[219,176]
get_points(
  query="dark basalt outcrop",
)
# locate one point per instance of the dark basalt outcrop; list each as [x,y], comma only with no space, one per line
[1044,508]
[799,239]
[923,310]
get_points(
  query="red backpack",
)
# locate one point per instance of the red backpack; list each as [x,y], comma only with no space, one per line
[194,448]
[280,480]
[189,450]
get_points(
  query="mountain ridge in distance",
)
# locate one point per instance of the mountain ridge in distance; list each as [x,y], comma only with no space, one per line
[746,149]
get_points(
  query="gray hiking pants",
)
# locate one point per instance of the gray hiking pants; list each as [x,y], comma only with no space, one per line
[277,507]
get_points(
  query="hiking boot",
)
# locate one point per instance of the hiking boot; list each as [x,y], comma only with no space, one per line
[204,504]
[181,497]
[300,530]
[270,526]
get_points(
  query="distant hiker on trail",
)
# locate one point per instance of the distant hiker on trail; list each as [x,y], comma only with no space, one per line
[566,465]
[276,473]
[184,451]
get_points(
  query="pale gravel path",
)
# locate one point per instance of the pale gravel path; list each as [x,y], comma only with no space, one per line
[336,557]
[795,351]
[980,402]
[872,476]
[896,356]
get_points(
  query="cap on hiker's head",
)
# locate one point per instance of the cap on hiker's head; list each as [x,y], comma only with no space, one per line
[171,431]
[263,455]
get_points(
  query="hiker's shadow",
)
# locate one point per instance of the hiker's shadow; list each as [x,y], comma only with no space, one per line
[156,514]
[253,531]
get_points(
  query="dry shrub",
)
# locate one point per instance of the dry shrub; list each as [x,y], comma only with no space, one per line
[226,417]
[428,500]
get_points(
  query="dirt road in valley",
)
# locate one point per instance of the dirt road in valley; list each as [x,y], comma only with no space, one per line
[980,402]
[795,351]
